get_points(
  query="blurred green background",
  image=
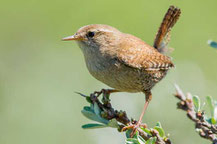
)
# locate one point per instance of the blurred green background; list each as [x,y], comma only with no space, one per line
[39,73]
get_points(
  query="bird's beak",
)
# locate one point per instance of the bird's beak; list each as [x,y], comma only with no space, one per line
[73,37]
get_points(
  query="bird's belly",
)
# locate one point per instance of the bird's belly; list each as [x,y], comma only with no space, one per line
[118,78]
[121,77]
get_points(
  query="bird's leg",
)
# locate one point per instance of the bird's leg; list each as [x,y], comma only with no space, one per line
[148,97]
[134,127]
[106,93]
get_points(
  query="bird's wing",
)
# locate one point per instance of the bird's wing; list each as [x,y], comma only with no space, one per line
[136,53]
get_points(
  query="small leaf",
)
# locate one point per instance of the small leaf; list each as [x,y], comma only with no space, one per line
[93,126]
[102,120]
[81,94]
[160,130]
[152,140]
[132,141]
[208,120]
[212,43]
[210,104]
[129,131]
[88,99]
[113,123]
[159,124]
[196,101]
[92,116]
[213,121]
[96,109]
[148,131]
[140,139]
[215,112]
[87,108]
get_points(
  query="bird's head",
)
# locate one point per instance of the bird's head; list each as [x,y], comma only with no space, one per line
[94,37]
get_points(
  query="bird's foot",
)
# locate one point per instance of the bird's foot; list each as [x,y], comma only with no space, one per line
[105,93]
[105,96]
[134,128]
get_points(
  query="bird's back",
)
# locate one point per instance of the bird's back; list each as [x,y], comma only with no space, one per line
[138,54]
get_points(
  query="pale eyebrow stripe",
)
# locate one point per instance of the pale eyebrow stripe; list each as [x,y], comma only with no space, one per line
[104,30]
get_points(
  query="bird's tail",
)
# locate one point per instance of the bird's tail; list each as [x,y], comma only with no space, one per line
[163,34]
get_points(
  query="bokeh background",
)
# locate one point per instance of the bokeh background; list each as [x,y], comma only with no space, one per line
[39,73]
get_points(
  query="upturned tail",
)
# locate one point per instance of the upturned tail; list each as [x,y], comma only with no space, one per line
[163,35]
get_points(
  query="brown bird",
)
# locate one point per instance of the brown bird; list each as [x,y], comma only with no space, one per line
[123,61]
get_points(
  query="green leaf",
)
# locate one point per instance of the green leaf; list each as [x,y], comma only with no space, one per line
[102,120]
[96,109]
[132,141]
[152,140]
[81,94]
[87,108]
[160,130]
[89,114]
[210,104]
[113,123]
[92,116]
[140,139]
[212,43]
[88,99]
[128,132]
[148,131]
[213,121]
[215,112]
[93,126]
[92,107]
[209,120]
[196,101]
[159,124]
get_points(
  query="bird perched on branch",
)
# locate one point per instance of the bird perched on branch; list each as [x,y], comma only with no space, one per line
[123,61]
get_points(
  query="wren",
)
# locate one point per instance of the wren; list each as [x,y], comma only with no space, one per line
[123,61]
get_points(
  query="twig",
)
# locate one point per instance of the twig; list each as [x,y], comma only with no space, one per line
[109,113]
[205,129]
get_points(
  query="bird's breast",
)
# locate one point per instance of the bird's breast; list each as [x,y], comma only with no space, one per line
[114,74]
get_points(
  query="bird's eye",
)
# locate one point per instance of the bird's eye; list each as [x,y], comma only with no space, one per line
[90,34]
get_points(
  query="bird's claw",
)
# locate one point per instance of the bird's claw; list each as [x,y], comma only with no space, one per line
[105,93]
[134,128]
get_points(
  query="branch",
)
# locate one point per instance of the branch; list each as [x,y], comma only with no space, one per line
[191,105]
[102,111]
